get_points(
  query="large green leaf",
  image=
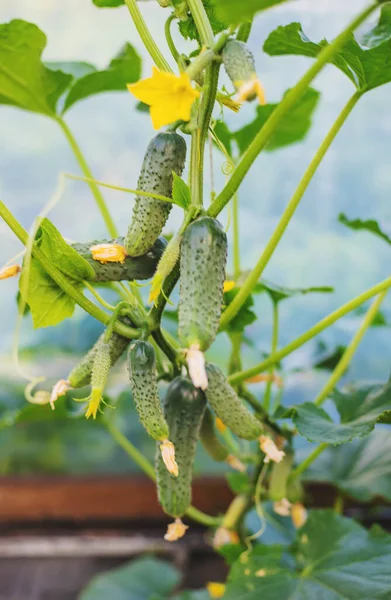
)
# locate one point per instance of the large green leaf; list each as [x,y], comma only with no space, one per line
[359,409]
[366,68]
[382,31]
[364,225]
[233,11]
[334,558]
[25,82]
[123,69]
[144,579]
[292,128]
[361,469]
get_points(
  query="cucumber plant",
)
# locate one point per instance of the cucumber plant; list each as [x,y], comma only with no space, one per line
[212,404]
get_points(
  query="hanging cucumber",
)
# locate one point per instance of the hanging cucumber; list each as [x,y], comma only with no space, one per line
[143,383]
[203,263]
[140,267]
[184,408]
[166,153]
[240,66]
[228,406]
[81,374]
[100,372]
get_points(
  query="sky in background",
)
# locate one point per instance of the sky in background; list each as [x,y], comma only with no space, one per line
[355,177]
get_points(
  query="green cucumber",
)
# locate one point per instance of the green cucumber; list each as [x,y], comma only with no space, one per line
[143,383]
[81,374]
[184,408]
[239,63]
[210,440]
[141,267]
[228,406]
[166,153]
[202,264]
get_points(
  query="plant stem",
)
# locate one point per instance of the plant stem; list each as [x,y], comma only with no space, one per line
[111,228]
[170,41]
[146,37]
[308,461]
[201,21]
[290,99]
[62,281]
[268,390]
[148,469]
[311,333]
[244,31]
[95,293]
[164,345]
[236,235]
[350,350]
[288,213]
[194,172]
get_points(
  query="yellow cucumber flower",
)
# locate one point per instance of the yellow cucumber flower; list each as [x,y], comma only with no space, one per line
[167,450]
[94,401]
[170,96]
[215,589]
[228,286]
[270,449]
[249,90]
[105,253]
[10,271]
[175,531]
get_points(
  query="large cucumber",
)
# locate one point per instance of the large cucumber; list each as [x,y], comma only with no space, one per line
[143,383]
[166,153]
[140,267]
[239,64]
[228,406]
[203,263]
[81,374]
[184,408]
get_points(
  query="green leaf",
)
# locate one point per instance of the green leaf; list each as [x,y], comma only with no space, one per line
[362,469]
[278,293]
[334,558]
[188,28]
[25,82]
[123,69]
[74,68]
[180,192]
[233,11]
[244,317]
[359,409]
[292,129]
[143,579]
[66,259]
[239,483]
[329,360]
[366,68]
[49,305]
[108,3]
[367,225]
[382,31]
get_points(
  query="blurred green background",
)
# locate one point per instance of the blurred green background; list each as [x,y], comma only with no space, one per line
[355,178]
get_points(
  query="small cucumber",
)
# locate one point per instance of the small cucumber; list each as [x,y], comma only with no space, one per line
[100,373]
[141,267]
[228,406]
[203,263]
[239,63]
[143,383]
[184,408]
[209,439]
[81,374]
[166,153]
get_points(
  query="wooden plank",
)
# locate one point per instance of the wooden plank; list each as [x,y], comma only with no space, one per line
[97,498]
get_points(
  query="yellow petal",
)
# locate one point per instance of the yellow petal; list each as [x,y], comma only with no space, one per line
[175,531]
[167,450]
[216,590]
[93,403]
[106,253]
[224,536]
[298,515]
[228,286]
[270,449]
[220,425]
[10,271]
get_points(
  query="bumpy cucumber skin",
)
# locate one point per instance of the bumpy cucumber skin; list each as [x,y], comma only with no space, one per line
[238,62]
[203,263]
[184,409]
[227,405]
[166,153]
[143,383]
[141,267]
[81,374]
[209,439]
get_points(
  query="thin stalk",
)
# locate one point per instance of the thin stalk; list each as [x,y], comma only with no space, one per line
[350,350]
[111,228]
[339,504]
[290,99]
[96,294]
[165,345]
[62,281]
[308,461]
[194,171]
[146,37]
[311,333]
[148,469]
[198,65]
[288,213]
[268,390]
[244,31]
[201,21]
[170,41]
[236,235]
